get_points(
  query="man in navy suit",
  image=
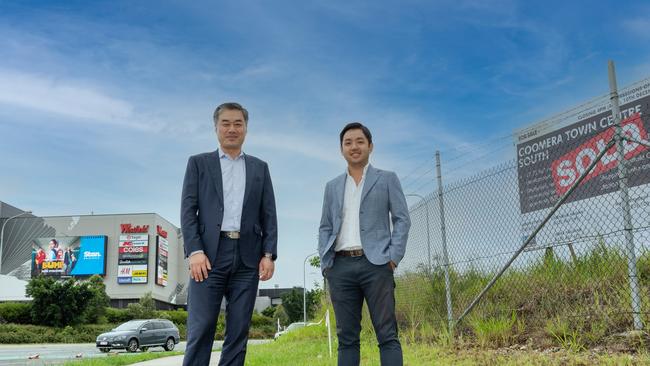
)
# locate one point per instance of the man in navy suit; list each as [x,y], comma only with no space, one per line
[358,249]
[229,230]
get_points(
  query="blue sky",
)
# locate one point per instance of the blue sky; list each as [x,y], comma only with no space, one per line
[102,103]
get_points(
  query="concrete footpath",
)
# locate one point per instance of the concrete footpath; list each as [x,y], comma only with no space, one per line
[175,361]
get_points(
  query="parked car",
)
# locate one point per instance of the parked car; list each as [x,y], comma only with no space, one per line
[140,334]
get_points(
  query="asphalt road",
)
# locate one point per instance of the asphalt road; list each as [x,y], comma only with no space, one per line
[50,354]
[57,353]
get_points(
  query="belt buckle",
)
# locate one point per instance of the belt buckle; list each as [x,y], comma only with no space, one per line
[232,234]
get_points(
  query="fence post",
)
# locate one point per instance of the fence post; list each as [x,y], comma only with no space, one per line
[625,201]
[450,315]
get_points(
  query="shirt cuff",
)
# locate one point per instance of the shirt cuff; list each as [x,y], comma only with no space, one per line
[196,252]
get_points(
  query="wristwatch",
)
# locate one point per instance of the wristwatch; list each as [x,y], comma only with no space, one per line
[269,256]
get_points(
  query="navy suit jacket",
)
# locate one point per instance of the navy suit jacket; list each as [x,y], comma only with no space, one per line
[202,209]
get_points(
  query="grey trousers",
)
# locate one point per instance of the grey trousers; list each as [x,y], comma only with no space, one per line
[351,280]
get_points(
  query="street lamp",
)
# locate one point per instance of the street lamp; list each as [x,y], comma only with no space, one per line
[426,206]
[304,286]
[2,233]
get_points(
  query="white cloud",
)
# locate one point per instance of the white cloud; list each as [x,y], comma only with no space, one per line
[638,27]
[63,97]
[302,144]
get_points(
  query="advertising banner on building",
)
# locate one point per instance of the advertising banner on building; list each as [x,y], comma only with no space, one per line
[551,155]
[133,258]
[162,255]
[69,256]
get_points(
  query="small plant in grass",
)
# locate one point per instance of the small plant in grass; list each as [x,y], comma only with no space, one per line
[495,331]
[444,337]
[566,337]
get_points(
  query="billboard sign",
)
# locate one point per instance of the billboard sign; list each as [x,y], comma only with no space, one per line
[133,258]
[69,256]
[551,156]
[162,256]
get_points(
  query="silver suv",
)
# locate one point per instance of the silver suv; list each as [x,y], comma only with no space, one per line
[140,334]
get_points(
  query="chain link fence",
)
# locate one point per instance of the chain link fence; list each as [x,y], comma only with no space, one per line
[551,247]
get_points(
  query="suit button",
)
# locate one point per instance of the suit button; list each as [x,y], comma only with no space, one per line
[363,229]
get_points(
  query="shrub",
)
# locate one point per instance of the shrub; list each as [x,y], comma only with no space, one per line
[259,320]
[114,315]
[58,303]
[16,334]
[16,312]
[269,311]
[178,317]
[144,309]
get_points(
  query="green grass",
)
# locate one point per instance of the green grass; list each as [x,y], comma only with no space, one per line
[588,299]
[117,359]
[309,346]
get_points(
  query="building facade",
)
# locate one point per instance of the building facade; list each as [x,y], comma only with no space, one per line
[134,253]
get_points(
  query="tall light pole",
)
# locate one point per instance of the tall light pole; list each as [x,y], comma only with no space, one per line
[2,233]
[304,286]
[426,206]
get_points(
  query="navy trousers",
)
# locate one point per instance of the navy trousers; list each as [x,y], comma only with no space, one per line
[351,280]
[229,277]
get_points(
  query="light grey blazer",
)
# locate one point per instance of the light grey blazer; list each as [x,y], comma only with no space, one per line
[382,200]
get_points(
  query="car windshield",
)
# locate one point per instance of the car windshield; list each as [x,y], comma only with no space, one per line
[133,325]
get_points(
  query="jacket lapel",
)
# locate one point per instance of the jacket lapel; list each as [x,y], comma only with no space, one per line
[371,179]
[340,193]
[214,166]
[250,175]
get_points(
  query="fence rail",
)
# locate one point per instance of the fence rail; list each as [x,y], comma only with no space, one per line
[557,243]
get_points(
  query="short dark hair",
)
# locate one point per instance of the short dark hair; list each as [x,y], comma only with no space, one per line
[356,125]
[231,106]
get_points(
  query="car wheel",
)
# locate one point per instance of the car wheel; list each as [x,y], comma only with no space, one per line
[104,350]
[144,349]
[132,345]
[169,345]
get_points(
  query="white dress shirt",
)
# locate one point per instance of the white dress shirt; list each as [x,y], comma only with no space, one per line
[233,176]
[349,238]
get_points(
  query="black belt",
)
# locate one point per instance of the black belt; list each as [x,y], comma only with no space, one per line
[230,234]
[350,253]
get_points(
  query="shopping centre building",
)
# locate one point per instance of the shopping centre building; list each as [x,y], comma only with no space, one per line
[134,253]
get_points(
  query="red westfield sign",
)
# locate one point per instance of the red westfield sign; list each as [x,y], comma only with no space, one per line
[161,232]
[130,229]
[567,168]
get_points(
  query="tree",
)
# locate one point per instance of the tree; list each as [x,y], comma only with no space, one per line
[145,308]
[269,311]
[314,261]
[292,302]
[96,308]
[58,303]
[281,315]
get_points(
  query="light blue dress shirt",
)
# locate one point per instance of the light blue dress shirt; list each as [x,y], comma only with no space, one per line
[233,177]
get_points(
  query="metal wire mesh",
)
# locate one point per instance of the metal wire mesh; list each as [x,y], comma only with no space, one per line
[580,270]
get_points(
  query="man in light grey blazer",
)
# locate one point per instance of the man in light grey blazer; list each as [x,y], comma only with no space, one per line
[358,251]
